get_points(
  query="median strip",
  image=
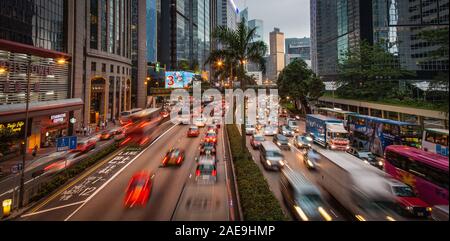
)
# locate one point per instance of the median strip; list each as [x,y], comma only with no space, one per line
[257,201]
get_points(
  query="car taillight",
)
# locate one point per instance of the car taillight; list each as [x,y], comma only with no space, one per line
[197,173]
[179,160]
[214,173]
[165,160]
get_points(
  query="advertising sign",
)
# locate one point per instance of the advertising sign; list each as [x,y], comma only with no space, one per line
[178,79]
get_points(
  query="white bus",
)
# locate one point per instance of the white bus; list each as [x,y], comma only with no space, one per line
[436,141]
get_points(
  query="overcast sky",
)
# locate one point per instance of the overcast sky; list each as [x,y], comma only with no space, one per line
[291,16]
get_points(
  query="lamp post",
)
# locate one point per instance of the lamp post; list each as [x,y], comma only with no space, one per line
[25,137]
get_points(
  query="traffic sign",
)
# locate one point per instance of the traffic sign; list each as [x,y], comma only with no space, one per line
[14,169]
[66,143]
[20,167]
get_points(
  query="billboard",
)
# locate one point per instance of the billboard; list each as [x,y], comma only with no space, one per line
[178,79]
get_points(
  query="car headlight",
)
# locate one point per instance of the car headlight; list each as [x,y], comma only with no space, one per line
[310,163]
[278,143]
[409,208]
[347,147]
[380,163]
[269,163]
[281,163]
[429,209]
[333,146]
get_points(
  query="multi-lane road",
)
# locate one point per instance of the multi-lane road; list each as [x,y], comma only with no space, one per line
[99,193]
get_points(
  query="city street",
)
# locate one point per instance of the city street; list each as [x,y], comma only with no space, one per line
[175,194]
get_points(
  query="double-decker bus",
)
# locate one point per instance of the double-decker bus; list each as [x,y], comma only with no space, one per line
[375,134]
[436,141]
[140,125]
[425,172]
[336,113]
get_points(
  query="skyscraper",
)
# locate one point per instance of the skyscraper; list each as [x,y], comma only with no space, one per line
[298,48]
[243,16]
[337,26]
[185,33]
[227,13]
[152,30]
[259,25]
[277,58]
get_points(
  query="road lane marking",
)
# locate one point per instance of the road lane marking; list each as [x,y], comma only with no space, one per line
[52,209]
[90,171]
[118,173]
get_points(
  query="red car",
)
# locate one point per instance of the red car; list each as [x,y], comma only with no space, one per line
[407,203]
[256,140]
[174,157]
[193,131]
[138,190]
[86,145]
[211,137]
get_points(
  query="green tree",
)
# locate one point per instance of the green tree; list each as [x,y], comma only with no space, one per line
[299,82]
[237,49]
[439,38]
[370,72]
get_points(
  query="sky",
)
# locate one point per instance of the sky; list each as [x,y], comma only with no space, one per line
[291,16]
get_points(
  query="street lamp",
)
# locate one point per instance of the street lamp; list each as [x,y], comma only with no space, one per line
[59,61]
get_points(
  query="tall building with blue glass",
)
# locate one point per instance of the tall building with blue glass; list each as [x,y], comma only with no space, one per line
[151,30]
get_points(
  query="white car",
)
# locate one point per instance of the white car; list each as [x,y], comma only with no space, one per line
[270,131]
[250,129]
[200,122]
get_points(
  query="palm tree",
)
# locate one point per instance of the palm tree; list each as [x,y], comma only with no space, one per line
[237,49]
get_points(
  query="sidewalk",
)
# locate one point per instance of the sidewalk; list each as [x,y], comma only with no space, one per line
[5,166]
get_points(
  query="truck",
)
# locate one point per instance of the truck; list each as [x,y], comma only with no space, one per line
[361,189]
[328,132]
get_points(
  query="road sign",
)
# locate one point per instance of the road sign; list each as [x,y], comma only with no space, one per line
[66,143]
[14,169]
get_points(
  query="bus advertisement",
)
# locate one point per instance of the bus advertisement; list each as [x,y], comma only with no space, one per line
[426,172]
[375,134]
[435,141]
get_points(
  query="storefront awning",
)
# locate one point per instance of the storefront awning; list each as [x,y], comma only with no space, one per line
[17,111]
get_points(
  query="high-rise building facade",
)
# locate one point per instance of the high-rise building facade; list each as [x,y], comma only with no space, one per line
[277,58]
[35,49]
[299,46]
[228,13]
[400,23]
[243,16]
[185,34]
[259,25]
[337,26]
[102,62]
[152,30]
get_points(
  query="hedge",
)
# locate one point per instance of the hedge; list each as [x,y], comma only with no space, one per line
[63,177]
[257,201]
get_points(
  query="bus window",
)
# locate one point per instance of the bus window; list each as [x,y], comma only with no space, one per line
[442,140]
[430,137]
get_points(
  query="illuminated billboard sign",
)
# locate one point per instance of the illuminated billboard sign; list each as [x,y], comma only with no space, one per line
[178,79]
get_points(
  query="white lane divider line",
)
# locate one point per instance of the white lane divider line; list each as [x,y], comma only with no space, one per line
[52,209]
[117,174]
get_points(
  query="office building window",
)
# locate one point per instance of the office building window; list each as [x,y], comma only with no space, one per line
[111,69]
[94,24]
[93,66]
[103,68]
